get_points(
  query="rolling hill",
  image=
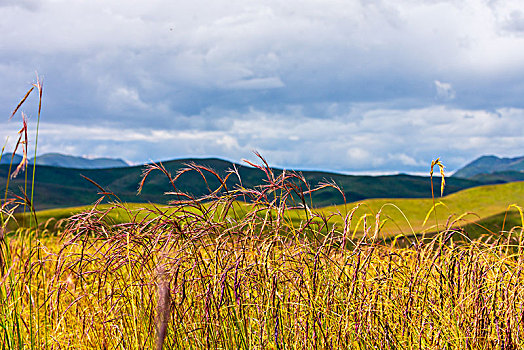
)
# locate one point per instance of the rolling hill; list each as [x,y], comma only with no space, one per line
[65,187]
[6,158]
[480,210]
[472,205]
[499,177]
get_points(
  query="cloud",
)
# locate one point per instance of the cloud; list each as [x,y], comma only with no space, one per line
[256,83]
[445,91]
[350,86]
[31,5]
[515,22]
[381,141]
[123,97]
[408,160]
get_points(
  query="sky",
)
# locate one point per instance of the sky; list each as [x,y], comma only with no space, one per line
[354,86]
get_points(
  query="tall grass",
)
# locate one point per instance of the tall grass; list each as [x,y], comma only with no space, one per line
[12,310]
[213,273]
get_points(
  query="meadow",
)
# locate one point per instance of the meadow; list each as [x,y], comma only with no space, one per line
[399,217]
[260,268]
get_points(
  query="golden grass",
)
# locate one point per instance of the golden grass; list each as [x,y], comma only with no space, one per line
[208,284]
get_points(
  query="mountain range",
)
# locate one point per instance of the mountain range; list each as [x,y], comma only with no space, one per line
[6,158]
[492,165]
[67,161]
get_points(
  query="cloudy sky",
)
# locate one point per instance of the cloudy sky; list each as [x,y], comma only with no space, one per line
[346,85]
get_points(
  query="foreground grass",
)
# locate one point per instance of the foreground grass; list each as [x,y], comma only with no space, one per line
[217,290]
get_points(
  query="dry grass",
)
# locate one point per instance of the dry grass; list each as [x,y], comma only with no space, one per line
[199,276]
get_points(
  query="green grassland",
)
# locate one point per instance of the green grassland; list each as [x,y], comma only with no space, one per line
[467,206]
[483,210]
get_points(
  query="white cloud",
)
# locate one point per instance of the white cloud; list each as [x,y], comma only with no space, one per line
[359,156]
[229,142]
[123,97]
[256,83]
[407,160]
[295,141]
[445,91]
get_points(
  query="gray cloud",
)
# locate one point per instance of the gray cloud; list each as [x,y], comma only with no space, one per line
[381,140]
[31,5]
[354,80]
[515,22]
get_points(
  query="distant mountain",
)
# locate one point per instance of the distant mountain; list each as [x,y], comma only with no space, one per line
[489,165]
[64,187]
[6,158]
[66,161]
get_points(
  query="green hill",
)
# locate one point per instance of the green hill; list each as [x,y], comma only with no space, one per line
[464,208]
[499,177]
[479,210]
[65,187]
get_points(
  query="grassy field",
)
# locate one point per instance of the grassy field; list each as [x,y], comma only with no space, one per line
[199,276]
[481,209]
[215,272]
